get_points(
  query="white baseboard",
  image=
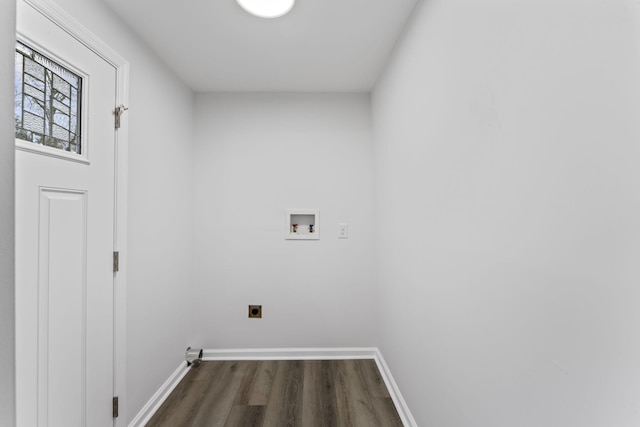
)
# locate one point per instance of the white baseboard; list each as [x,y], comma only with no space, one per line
[281,354]
[394,391]
[290,354]
[160,396]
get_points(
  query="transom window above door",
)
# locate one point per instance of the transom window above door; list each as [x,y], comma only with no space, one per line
[47,101]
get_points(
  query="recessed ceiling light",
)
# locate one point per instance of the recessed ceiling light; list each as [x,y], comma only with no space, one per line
[267,8]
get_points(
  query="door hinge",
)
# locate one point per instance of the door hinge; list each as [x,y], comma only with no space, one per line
[118,112]
[116,261]
[115,407]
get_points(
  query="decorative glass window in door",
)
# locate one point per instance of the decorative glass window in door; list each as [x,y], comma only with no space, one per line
[47,101]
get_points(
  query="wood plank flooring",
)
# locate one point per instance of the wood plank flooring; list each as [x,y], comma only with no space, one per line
[291,393]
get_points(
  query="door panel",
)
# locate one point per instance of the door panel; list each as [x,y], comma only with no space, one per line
[64,245]
[61,306]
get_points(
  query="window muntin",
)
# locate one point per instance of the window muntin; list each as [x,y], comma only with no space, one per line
[47,101]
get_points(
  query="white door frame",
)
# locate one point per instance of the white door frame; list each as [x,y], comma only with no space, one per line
[74,28]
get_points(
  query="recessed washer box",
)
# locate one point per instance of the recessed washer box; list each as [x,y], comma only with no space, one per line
[302,224]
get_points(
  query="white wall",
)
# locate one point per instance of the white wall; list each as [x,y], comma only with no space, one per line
[159,290]
[506,147]
[7,301]
[256,156]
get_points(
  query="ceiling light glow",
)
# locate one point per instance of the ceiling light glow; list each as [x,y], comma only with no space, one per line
[267,8]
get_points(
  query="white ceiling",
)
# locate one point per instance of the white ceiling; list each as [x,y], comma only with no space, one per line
[320,46]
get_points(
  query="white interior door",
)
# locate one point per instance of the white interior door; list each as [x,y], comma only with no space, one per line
[64,230]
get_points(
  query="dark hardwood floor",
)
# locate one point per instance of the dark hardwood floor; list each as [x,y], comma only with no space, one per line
[310,393]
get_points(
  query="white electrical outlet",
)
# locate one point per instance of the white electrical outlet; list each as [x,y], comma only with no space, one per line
[343,231]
